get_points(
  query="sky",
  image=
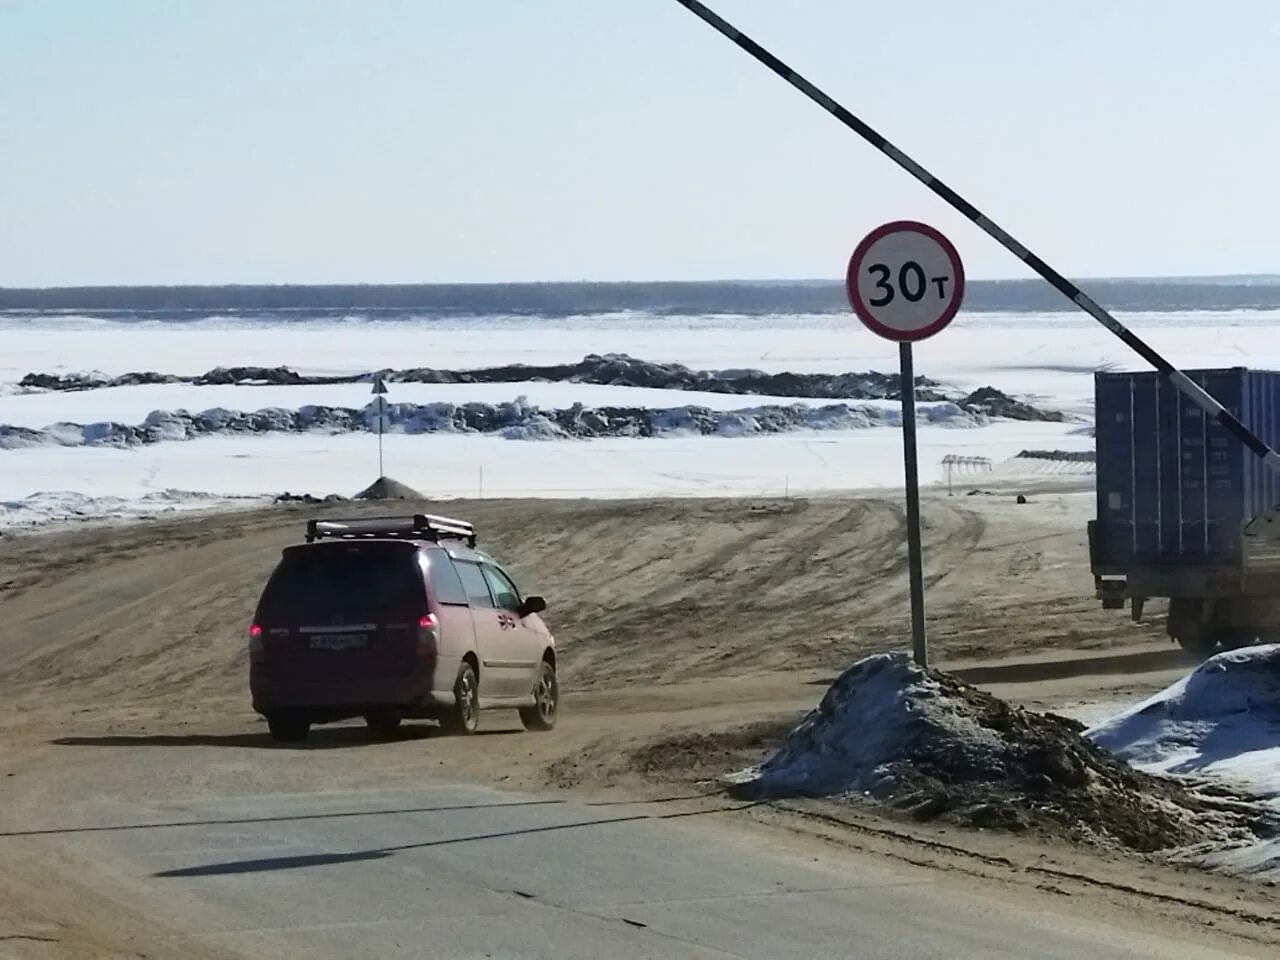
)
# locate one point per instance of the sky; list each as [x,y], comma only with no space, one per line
[313,141]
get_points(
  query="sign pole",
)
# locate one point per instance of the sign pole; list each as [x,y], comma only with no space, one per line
[915,562]
[905,282]
[382,415]
[380,394]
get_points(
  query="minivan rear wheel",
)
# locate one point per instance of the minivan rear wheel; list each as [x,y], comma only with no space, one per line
[287,729]
[463,717]
[546,700]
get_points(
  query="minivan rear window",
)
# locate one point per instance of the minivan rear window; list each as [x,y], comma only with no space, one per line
[343,580]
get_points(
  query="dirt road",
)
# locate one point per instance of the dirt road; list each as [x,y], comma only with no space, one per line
[122,663]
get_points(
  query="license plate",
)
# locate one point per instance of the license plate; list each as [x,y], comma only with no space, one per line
[339,641]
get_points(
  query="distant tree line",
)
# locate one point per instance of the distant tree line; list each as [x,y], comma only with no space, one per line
[560,299]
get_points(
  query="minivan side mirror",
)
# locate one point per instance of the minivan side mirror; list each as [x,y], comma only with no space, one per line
[532,605]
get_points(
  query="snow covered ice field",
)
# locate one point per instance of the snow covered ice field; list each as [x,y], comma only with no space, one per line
[1045,358]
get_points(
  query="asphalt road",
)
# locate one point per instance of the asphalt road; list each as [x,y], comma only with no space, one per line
[449,871]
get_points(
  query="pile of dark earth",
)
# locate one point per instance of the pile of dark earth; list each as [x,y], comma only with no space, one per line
[1069,456]
[609,369]
[995,403]
[288,497]
[939,750]
[1049,779]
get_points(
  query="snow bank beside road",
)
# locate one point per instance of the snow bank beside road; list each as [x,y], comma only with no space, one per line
[922,742]
[1221,722]
[69,506]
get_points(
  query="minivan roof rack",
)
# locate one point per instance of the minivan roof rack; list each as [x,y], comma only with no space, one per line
[420,526]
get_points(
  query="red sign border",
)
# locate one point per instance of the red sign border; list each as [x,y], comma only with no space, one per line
[864,312]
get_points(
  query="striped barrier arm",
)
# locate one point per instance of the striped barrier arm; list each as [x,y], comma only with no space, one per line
[1185,385]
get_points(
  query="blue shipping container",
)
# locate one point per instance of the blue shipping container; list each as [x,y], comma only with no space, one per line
[1174,487]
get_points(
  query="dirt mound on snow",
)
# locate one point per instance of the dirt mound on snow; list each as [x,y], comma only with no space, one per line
[384,488]
[926,744]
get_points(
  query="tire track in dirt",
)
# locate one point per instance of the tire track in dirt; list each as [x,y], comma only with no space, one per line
[639,591]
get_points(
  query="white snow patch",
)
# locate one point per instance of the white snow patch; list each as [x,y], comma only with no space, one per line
[536,427]
[474,465]
[1045,358]
[1220,722]
[65,506]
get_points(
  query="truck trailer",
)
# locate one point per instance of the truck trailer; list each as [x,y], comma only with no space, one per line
[1184,511]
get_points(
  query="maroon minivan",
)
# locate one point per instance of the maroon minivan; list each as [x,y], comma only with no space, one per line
[389,618]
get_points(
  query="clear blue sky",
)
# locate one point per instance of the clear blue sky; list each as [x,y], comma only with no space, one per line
[158,141]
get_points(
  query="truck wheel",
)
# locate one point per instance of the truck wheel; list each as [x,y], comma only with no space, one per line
[546,701]
[1202,646]
[1200,640]
[1232,638]
[463,717]
[1186,625]
[287,729]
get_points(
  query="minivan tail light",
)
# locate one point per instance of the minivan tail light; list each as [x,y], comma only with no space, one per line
[428,634]
[257,652]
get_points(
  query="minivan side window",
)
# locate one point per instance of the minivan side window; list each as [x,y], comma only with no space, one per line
[504,591]
[473,582]
[442,578]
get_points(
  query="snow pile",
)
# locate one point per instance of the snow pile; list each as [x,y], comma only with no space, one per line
[1220,723]
[61,506]
[1032,468]
[923,743]
[515,420]
[868,718]
[1222,720]
[18,390]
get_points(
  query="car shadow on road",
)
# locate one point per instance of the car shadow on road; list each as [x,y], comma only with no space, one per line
[323,738]
[275,863]
[260,865]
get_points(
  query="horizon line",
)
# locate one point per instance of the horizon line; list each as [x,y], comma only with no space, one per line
[745,281]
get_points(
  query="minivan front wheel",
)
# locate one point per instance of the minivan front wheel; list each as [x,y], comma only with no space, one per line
[546,700]
[288,729]
[464,716]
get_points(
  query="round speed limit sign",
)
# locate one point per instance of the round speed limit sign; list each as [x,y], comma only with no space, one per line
[905,281]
